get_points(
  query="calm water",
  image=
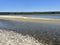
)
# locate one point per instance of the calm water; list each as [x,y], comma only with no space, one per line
[42,31]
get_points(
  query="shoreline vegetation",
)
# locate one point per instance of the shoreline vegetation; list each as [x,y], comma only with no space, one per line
[30,19]
[18,13]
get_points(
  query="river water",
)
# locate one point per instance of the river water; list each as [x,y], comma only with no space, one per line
[45,32]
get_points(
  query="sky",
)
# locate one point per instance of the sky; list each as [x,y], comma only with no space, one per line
[29,5]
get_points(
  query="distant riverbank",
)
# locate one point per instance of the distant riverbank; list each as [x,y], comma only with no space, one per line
[18,13]
[30,19]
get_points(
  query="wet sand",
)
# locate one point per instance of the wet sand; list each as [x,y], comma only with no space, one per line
[44,32]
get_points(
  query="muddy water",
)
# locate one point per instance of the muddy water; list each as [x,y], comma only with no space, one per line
[44,32]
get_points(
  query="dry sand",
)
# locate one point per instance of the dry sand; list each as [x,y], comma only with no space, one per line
[30,19]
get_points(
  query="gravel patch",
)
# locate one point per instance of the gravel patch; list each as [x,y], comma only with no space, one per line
[14,38]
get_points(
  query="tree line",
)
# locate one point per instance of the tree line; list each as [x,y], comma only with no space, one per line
[18,13]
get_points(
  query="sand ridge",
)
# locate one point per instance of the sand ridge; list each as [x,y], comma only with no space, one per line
[30,19]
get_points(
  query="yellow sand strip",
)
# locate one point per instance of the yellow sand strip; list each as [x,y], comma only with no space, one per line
[30,19]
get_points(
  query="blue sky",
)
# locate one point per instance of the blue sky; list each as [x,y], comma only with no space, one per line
[29,5]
